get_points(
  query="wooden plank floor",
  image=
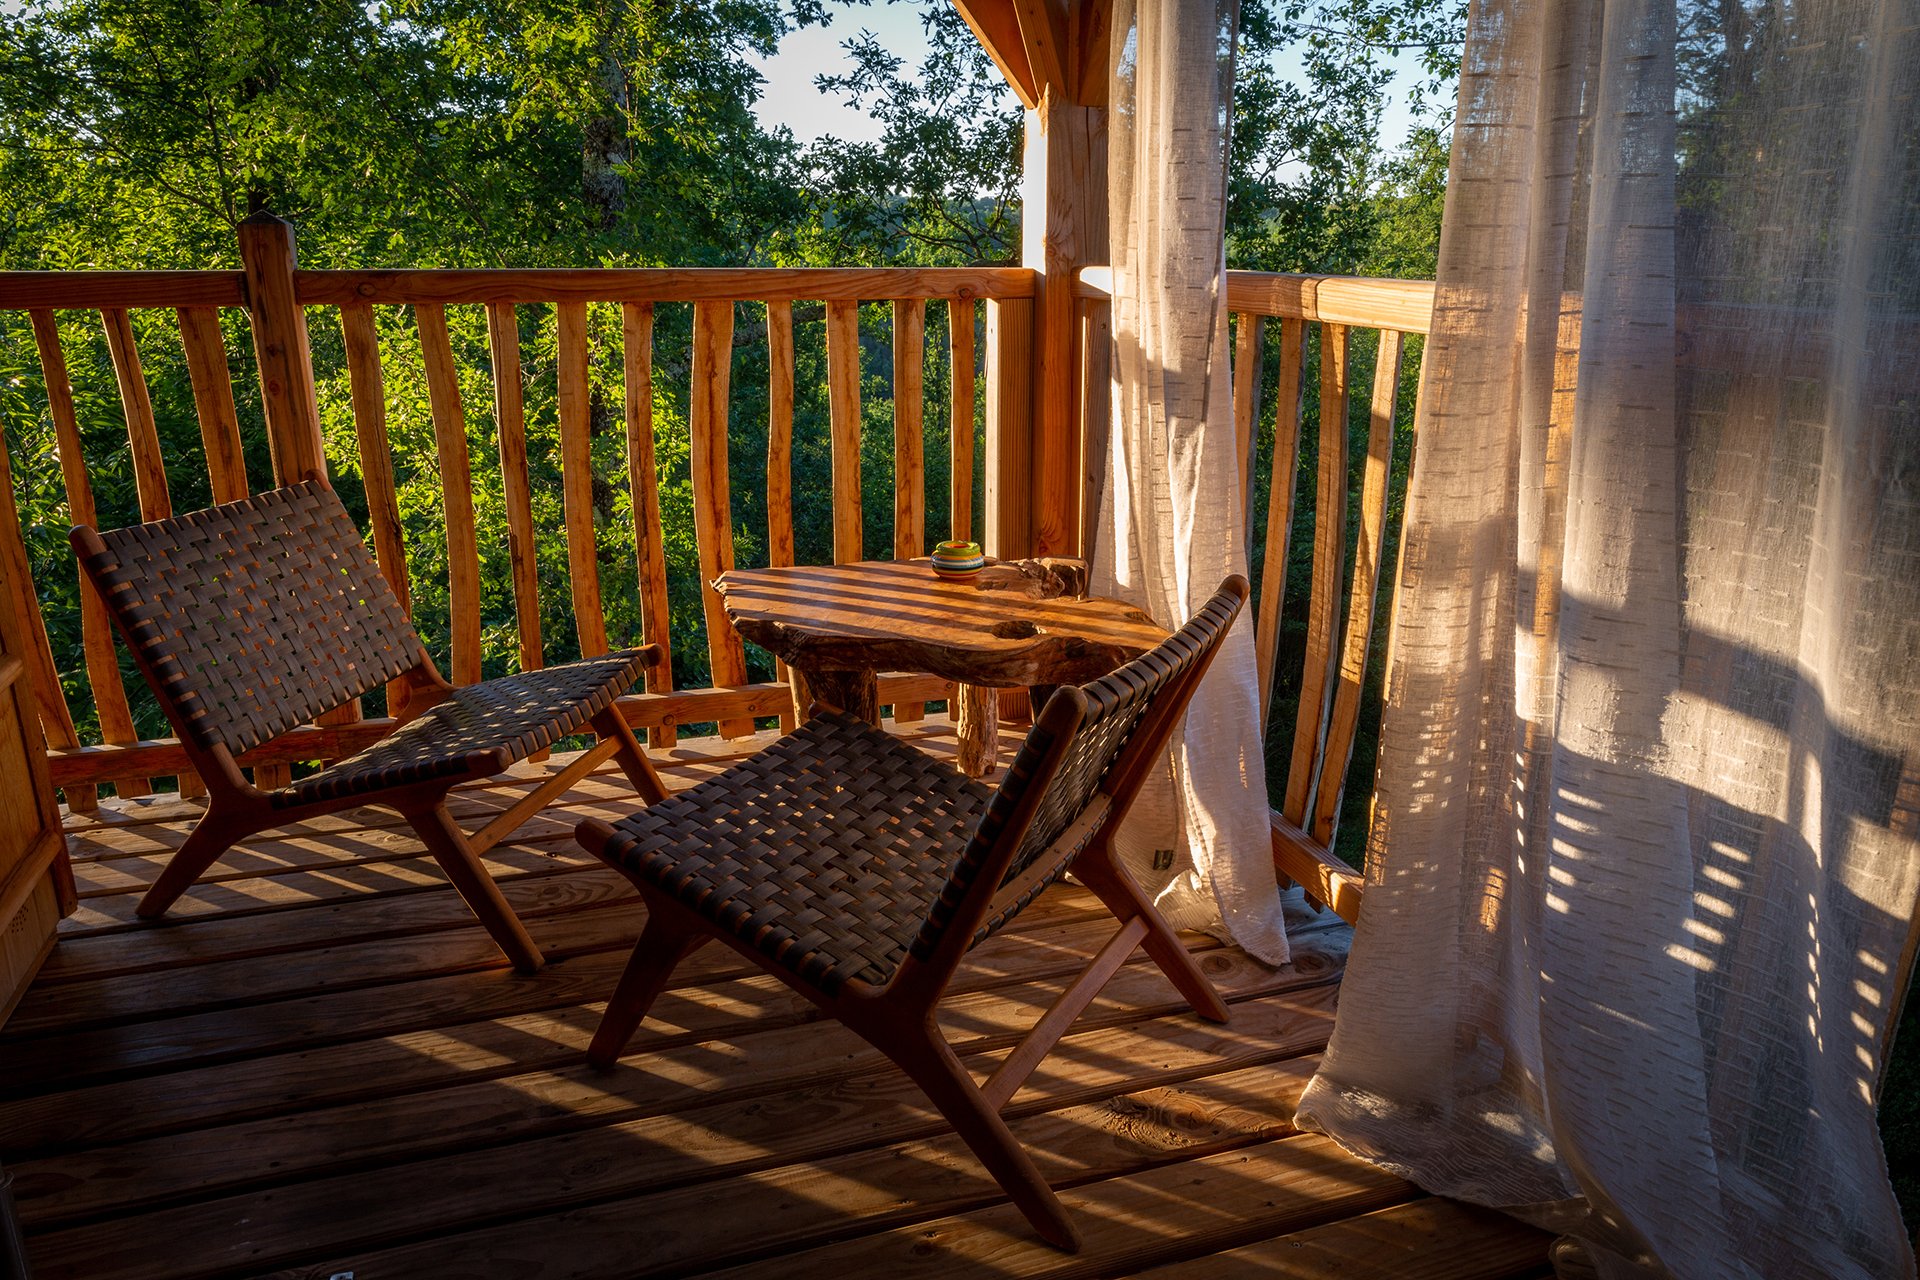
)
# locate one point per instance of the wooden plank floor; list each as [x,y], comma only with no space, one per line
[319,1066]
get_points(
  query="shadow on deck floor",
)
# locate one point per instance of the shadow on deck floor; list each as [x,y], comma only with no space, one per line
[319,1066]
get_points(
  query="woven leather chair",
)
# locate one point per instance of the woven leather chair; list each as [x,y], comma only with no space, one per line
[254,617]
[860,871]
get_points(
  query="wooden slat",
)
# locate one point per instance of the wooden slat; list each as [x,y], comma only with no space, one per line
[650,557]
[206,354]
[96,629]
[1329,563]
[368,387]
[1368,551]
[576,475]
[93,764]
[42,692]
[1326,879]
[909,456]
[1289,405]
[960,426]
[648,284]
[456,484]
[1095,320]
[1246,402]
[509,412]
[1007,530]
[1430,1239]
[1402,305]
[780,453]
[1165,1213]
[143,437]
[712,495]
[92,290]
[843,402]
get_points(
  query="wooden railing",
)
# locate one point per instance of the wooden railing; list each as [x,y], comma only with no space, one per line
[1340,614]
[278,298]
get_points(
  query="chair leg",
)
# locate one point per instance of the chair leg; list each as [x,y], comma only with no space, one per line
[212,836]
[1122,896]
[930,1062]
[448,845]
[664,943]
[632,757]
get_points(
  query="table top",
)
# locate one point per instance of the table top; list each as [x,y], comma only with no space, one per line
[1015,624]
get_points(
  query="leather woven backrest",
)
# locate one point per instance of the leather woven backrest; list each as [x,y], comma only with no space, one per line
[1116,705]
[257,615]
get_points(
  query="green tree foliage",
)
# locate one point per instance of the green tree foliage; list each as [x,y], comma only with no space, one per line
[426,133]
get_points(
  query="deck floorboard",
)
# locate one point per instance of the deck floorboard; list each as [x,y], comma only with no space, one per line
[318,1065]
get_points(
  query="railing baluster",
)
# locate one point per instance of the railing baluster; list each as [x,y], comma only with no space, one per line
[1096,415]
[1329,561]
[576,477]
[1288,409]
[96,630]
[636,332]
[712,497]
[143,438]
[843,402]
[1246,404]
[960,313]
[909,454]
[206,352]
[43,677]
[780,458]
[456,483]
[509,414]
[1008,527]
[368,388]
[1338,752]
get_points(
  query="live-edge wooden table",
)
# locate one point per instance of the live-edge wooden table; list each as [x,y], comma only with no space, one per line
[1017,624]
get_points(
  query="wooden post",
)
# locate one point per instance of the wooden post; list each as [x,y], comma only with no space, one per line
[280,348]
[1064,227]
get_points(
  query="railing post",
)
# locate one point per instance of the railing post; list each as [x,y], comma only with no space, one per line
[1064,228]
[280,349]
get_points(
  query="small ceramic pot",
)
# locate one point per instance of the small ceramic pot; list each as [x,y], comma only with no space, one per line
[958,560]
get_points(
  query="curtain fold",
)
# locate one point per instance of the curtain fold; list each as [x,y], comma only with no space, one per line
[1170,530]
[1643,874]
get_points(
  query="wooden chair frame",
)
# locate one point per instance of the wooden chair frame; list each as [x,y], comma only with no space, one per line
[237,809]
[899,1018]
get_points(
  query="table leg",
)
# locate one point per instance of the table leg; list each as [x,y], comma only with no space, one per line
[855,692]
[978,729]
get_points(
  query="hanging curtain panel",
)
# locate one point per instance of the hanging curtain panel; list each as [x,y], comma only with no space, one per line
[1642,881]
[1169,532]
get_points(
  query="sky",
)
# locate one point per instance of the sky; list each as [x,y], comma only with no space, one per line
[791,99]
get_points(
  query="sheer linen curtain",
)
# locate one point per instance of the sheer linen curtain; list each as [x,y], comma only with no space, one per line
[1169,529]
[1643,873]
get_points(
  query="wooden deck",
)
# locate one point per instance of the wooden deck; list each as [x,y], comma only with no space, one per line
[320,1067]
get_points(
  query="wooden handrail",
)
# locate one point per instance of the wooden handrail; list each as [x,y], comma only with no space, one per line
[1362,302]
[661,284]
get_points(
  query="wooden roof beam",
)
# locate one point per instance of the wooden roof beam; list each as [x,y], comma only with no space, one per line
[996,25]
[1043,33]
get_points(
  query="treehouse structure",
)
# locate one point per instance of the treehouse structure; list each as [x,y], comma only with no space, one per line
[319,1065]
